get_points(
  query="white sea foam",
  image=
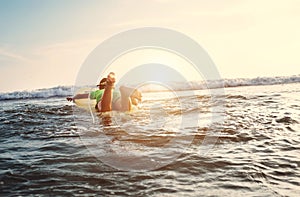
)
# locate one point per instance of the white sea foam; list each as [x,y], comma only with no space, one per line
[225,83]
[60,91]
[63,91]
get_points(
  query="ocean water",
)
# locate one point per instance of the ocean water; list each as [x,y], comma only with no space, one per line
[188,143]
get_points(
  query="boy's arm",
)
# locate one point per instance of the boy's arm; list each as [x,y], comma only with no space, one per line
[77,96]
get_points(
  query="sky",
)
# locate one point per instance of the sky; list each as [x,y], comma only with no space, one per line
[44,43]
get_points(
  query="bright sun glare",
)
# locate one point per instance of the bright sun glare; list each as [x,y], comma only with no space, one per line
[135,58]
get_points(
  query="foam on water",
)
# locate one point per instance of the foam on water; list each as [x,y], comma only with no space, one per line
[60,91]
[63,91]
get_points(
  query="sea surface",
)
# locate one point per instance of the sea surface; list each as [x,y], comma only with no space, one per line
[241,141]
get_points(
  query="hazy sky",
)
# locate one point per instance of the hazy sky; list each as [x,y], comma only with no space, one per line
[44,43]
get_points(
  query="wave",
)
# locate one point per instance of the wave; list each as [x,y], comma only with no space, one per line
[64,91]
[60,91]
[224,83]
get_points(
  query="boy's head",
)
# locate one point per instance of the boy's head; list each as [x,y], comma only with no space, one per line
[102,84]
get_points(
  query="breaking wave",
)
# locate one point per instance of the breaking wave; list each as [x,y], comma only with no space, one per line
[60,91]
[63,91]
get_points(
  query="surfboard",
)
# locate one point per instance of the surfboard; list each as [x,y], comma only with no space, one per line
[85,103]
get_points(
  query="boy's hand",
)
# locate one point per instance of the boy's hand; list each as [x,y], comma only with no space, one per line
[69,99]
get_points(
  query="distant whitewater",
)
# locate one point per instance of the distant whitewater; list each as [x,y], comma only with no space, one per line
[63,91]
[60,91]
